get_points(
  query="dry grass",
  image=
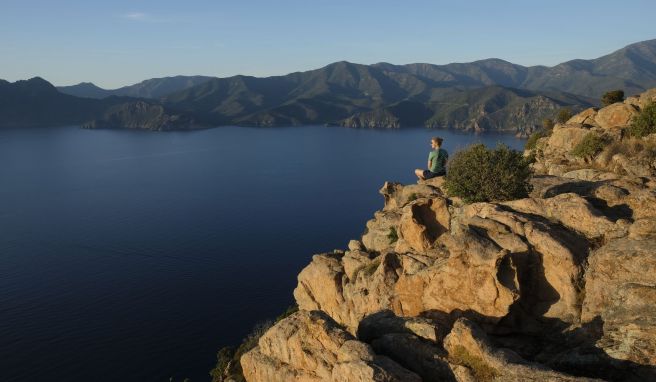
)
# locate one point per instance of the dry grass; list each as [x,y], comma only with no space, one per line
[368,269]
[482,371]
[633,148]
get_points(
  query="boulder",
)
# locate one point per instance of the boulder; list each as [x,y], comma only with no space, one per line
[397,195]
[570,210]
[620,289]
[382,231]
[423,221]
[310,346]
[478,276]
[584,118]
[616,115]
[564,139]
[647,97]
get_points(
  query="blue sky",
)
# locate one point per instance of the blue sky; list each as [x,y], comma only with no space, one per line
[120,42]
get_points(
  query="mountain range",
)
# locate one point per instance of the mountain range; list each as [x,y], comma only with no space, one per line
[489,94]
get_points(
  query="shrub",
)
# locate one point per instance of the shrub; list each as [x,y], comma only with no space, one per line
[393,236]
[612,97]
[479,174]
[591,145]
[547,123]
[532,140]
[644,123]
[564,115]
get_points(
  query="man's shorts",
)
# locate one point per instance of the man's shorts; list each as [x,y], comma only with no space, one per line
[429,174]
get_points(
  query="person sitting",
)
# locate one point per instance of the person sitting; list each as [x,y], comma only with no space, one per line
[436,161]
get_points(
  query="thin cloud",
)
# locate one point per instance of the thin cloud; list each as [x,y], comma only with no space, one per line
[143,17]
[136,16]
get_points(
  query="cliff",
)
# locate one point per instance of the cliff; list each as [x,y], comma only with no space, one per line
[559,286]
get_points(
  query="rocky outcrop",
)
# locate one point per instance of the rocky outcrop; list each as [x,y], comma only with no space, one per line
[309,347]
[620,155]
[373,119]
[559,286]
[141,115]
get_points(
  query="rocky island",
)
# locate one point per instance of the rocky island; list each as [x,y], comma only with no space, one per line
[559,286]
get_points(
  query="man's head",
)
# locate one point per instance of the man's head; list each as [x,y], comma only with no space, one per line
[436,142]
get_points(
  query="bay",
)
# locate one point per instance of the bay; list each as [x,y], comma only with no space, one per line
[134,256]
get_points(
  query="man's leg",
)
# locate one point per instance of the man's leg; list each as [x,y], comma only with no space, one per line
[419,173]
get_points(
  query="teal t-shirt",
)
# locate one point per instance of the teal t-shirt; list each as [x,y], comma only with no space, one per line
[438,160]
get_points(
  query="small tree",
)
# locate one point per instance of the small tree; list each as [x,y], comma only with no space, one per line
[612,97]
[564,115]
[644,123]
[479,174]
[547,123]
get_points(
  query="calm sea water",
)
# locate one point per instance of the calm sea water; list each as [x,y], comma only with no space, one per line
[134,256]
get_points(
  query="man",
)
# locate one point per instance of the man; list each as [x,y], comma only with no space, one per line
[436,161]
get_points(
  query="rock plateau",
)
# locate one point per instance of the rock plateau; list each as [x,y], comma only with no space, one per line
[559,286]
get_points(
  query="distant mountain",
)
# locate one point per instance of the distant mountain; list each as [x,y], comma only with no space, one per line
[36,102]
[632,68]
[85,90]
[489,94]
[370,96]
[153,88]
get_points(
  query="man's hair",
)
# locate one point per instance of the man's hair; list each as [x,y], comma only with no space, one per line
[438,140]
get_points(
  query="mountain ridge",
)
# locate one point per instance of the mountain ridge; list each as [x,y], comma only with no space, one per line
[494,94]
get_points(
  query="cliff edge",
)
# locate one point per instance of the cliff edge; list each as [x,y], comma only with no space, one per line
[559,286]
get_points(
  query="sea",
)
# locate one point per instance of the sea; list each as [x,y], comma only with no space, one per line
[135,256]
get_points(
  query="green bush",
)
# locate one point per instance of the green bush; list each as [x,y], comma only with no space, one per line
[532,140]
[591,145]
[564,115]
[612,97]
[644,123]
[479,174]
[547,123]
[393,236]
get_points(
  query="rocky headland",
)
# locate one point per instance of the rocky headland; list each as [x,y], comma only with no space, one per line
[559,286]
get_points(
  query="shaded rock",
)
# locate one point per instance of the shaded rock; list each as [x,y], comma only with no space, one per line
[381,233]
[384,322]
[469,346]
[424,358]
[547,186]
[590,174]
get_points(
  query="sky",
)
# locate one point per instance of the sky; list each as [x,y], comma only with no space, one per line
[120,42]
